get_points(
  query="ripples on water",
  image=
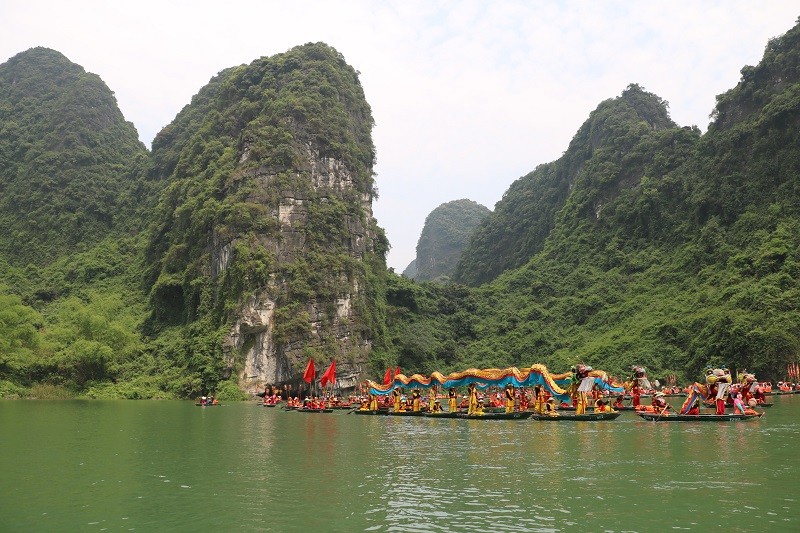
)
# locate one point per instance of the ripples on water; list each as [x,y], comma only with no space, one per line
[170,466]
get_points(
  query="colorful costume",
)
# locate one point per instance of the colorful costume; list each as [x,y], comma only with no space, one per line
[509,399]
[452,400]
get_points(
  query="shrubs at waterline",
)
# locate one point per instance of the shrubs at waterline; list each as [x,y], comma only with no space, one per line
[229,391]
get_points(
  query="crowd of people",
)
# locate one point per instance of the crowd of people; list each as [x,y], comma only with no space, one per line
[721,391]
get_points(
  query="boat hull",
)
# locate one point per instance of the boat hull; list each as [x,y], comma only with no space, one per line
[378,412]
[586,417]
[443,415]
[696,418]
[516,415]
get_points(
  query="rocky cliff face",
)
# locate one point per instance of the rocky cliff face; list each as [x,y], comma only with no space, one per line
[267,233]
[251,336]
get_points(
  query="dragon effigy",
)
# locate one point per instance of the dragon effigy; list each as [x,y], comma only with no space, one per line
[558,385]
[716,388]
[639,376]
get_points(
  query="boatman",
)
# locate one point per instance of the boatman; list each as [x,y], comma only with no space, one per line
[584,389]
[473,399]
[415,400]
[723,388]
[452,398]
[373,402]
[396,397]
[509,398]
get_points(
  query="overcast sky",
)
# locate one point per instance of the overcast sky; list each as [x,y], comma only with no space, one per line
[467,95]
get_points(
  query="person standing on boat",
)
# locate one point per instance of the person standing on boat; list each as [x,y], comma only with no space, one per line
[636,396]
[396,397]
[473,399]
[432,398]
[584,388]
[509,393]
[538,399]
[415,400]
[452,399]
[723,388]
[373,402]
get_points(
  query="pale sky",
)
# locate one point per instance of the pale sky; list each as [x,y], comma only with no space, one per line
[467,95]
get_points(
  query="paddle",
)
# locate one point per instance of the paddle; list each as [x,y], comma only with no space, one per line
[664,410]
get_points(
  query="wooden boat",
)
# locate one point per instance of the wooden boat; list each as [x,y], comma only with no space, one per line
[516,415]
[696,418]
[380,412]
[304,410]
[406,413]
[624,408]
[444,414]
[586,417]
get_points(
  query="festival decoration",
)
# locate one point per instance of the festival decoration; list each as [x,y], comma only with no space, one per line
[535,375]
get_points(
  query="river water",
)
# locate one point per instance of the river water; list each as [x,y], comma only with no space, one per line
[172,466]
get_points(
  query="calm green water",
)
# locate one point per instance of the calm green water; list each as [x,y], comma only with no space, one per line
[171,466]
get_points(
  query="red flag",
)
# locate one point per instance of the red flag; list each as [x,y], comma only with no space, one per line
[387,377]
[330,375]
[396,371]
[310,373]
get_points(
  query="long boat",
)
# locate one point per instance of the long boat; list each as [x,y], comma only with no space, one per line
[623,408]
[304,410]
[378,412]
[406,413]
[516,415]
[587,417]
[696,418]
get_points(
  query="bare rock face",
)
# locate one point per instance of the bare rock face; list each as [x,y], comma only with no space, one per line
[331,331]
[265,230]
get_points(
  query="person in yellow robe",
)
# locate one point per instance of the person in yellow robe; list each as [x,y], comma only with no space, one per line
[415,400]
[452,399]
[473,399]
[509,398]
[396,398]
[373,402]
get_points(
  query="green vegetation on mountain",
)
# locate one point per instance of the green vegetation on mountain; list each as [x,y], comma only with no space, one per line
[646,243]
[444,236]
[145,316]
[134,275]
[245,149]
[68,159]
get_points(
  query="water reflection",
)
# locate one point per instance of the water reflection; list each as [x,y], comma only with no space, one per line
[173,466]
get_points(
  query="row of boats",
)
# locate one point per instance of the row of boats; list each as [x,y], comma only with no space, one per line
[562,414]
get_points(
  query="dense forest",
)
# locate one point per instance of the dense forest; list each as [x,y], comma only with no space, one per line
[243,242]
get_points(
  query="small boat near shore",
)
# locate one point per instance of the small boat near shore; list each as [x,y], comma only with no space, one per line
[585,417]
[696,418]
